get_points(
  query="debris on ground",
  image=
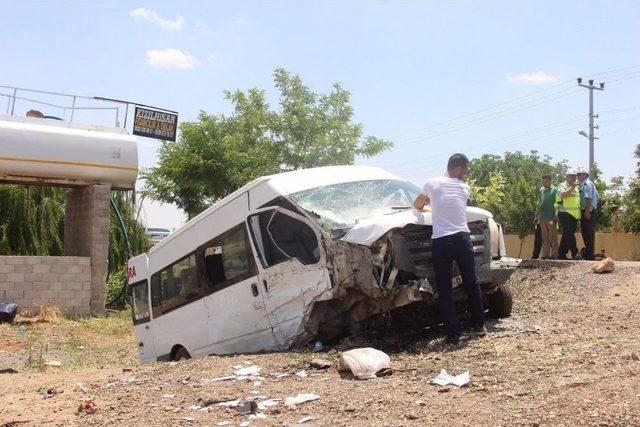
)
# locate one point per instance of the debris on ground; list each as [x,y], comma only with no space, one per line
[318,363]
[49,393]
[301,398]
[88,407]
[79,387]
[444,378]
[302,374]
[247,407]
[364,362]
[54,363]
[605,266]
[241,371]
[304,420]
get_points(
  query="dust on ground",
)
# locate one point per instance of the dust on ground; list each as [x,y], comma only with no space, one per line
[569,355]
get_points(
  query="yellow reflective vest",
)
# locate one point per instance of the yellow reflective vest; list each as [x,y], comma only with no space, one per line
[571,204]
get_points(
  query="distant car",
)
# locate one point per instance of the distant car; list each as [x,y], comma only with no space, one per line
[156,234]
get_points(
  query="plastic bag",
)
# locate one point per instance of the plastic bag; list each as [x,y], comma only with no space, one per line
[364,362]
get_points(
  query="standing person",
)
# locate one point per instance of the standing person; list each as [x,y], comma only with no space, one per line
[589,199]
[547,219]
[451,241]
[568,198]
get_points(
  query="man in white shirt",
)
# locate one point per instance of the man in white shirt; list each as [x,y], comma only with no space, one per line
[451,241]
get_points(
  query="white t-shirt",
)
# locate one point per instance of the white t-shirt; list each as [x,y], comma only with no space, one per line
[448,198]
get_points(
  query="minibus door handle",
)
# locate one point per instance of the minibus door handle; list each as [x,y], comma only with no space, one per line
[254,289]
[266,287]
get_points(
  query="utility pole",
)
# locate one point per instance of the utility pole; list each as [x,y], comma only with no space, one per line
[591,136]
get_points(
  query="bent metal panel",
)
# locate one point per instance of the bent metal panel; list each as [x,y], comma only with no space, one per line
[155,124]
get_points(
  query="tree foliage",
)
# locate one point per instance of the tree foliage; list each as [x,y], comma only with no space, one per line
[217,153]
[631,216]
[512,183]
[32,223]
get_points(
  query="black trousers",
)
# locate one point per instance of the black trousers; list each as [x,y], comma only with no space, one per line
[537,243]
[459,248]
[588,235]
[568,241]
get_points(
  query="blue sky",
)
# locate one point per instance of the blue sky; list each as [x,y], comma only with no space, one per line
[409,66]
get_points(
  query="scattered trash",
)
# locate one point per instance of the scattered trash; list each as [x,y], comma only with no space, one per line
[81,347]
[248,362]
[258,416]
[79,387]
[224,423]
[304,420]
[318,346]
[8,311]
[194,407]
[168,396]
[188,419]
[229,403]
[364,362]
[244,423]
[301,398]
[8,371]
[227,378]
[302,374]
[279,374]
[54,363]
[172,364]
[248,407]
[421,403]
[320,363]
[129,380]
[249,370]
[49,393]
[443,378]
[268,403]
[605,266]
[88,407]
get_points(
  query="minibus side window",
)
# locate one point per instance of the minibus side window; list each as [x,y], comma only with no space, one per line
[280,237]
[227,259]
[140,302]
[175,285]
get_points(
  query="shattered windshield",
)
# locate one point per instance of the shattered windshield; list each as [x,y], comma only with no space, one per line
[343,205]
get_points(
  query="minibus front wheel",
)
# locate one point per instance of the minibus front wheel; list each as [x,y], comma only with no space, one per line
[180,353]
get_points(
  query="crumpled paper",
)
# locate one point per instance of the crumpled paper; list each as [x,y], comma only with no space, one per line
[444,378]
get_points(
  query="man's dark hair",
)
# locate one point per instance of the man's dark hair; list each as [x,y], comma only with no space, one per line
[456,160]
[547,176]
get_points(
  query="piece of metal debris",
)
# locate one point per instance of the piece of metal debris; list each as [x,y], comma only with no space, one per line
[444,378]
[301,398]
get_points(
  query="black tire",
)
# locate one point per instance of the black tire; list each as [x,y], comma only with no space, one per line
[500,302]
[181,354]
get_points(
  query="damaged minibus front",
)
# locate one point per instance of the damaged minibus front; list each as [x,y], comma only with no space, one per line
[312,254]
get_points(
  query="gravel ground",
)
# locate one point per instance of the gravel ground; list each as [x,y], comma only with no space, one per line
[569,355]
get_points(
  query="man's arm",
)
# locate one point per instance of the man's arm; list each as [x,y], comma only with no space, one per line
[420,201]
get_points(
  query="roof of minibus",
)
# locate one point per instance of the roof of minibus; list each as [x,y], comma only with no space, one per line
[286,183]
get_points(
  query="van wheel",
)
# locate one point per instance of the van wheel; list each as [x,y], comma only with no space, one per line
[500,302]
[181,354]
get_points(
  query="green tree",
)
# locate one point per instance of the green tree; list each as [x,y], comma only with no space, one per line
[520,208]
[216,154]
[490,197]
[631,217]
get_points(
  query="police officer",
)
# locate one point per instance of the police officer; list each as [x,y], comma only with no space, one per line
[568,198]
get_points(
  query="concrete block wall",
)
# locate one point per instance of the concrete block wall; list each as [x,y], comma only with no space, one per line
[31,281]
[86,234]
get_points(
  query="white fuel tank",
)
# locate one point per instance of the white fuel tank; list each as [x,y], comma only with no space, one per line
[34,150]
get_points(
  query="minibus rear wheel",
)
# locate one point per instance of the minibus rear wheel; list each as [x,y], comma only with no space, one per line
[181,353]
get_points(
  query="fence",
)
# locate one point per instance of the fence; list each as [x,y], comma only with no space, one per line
[620,246]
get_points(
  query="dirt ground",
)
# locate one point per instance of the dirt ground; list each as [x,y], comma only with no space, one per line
[569,355]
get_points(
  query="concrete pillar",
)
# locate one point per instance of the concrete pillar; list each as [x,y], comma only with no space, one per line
[86,233]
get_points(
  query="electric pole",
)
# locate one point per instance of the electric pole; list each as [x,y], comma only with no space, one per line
[591,136]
